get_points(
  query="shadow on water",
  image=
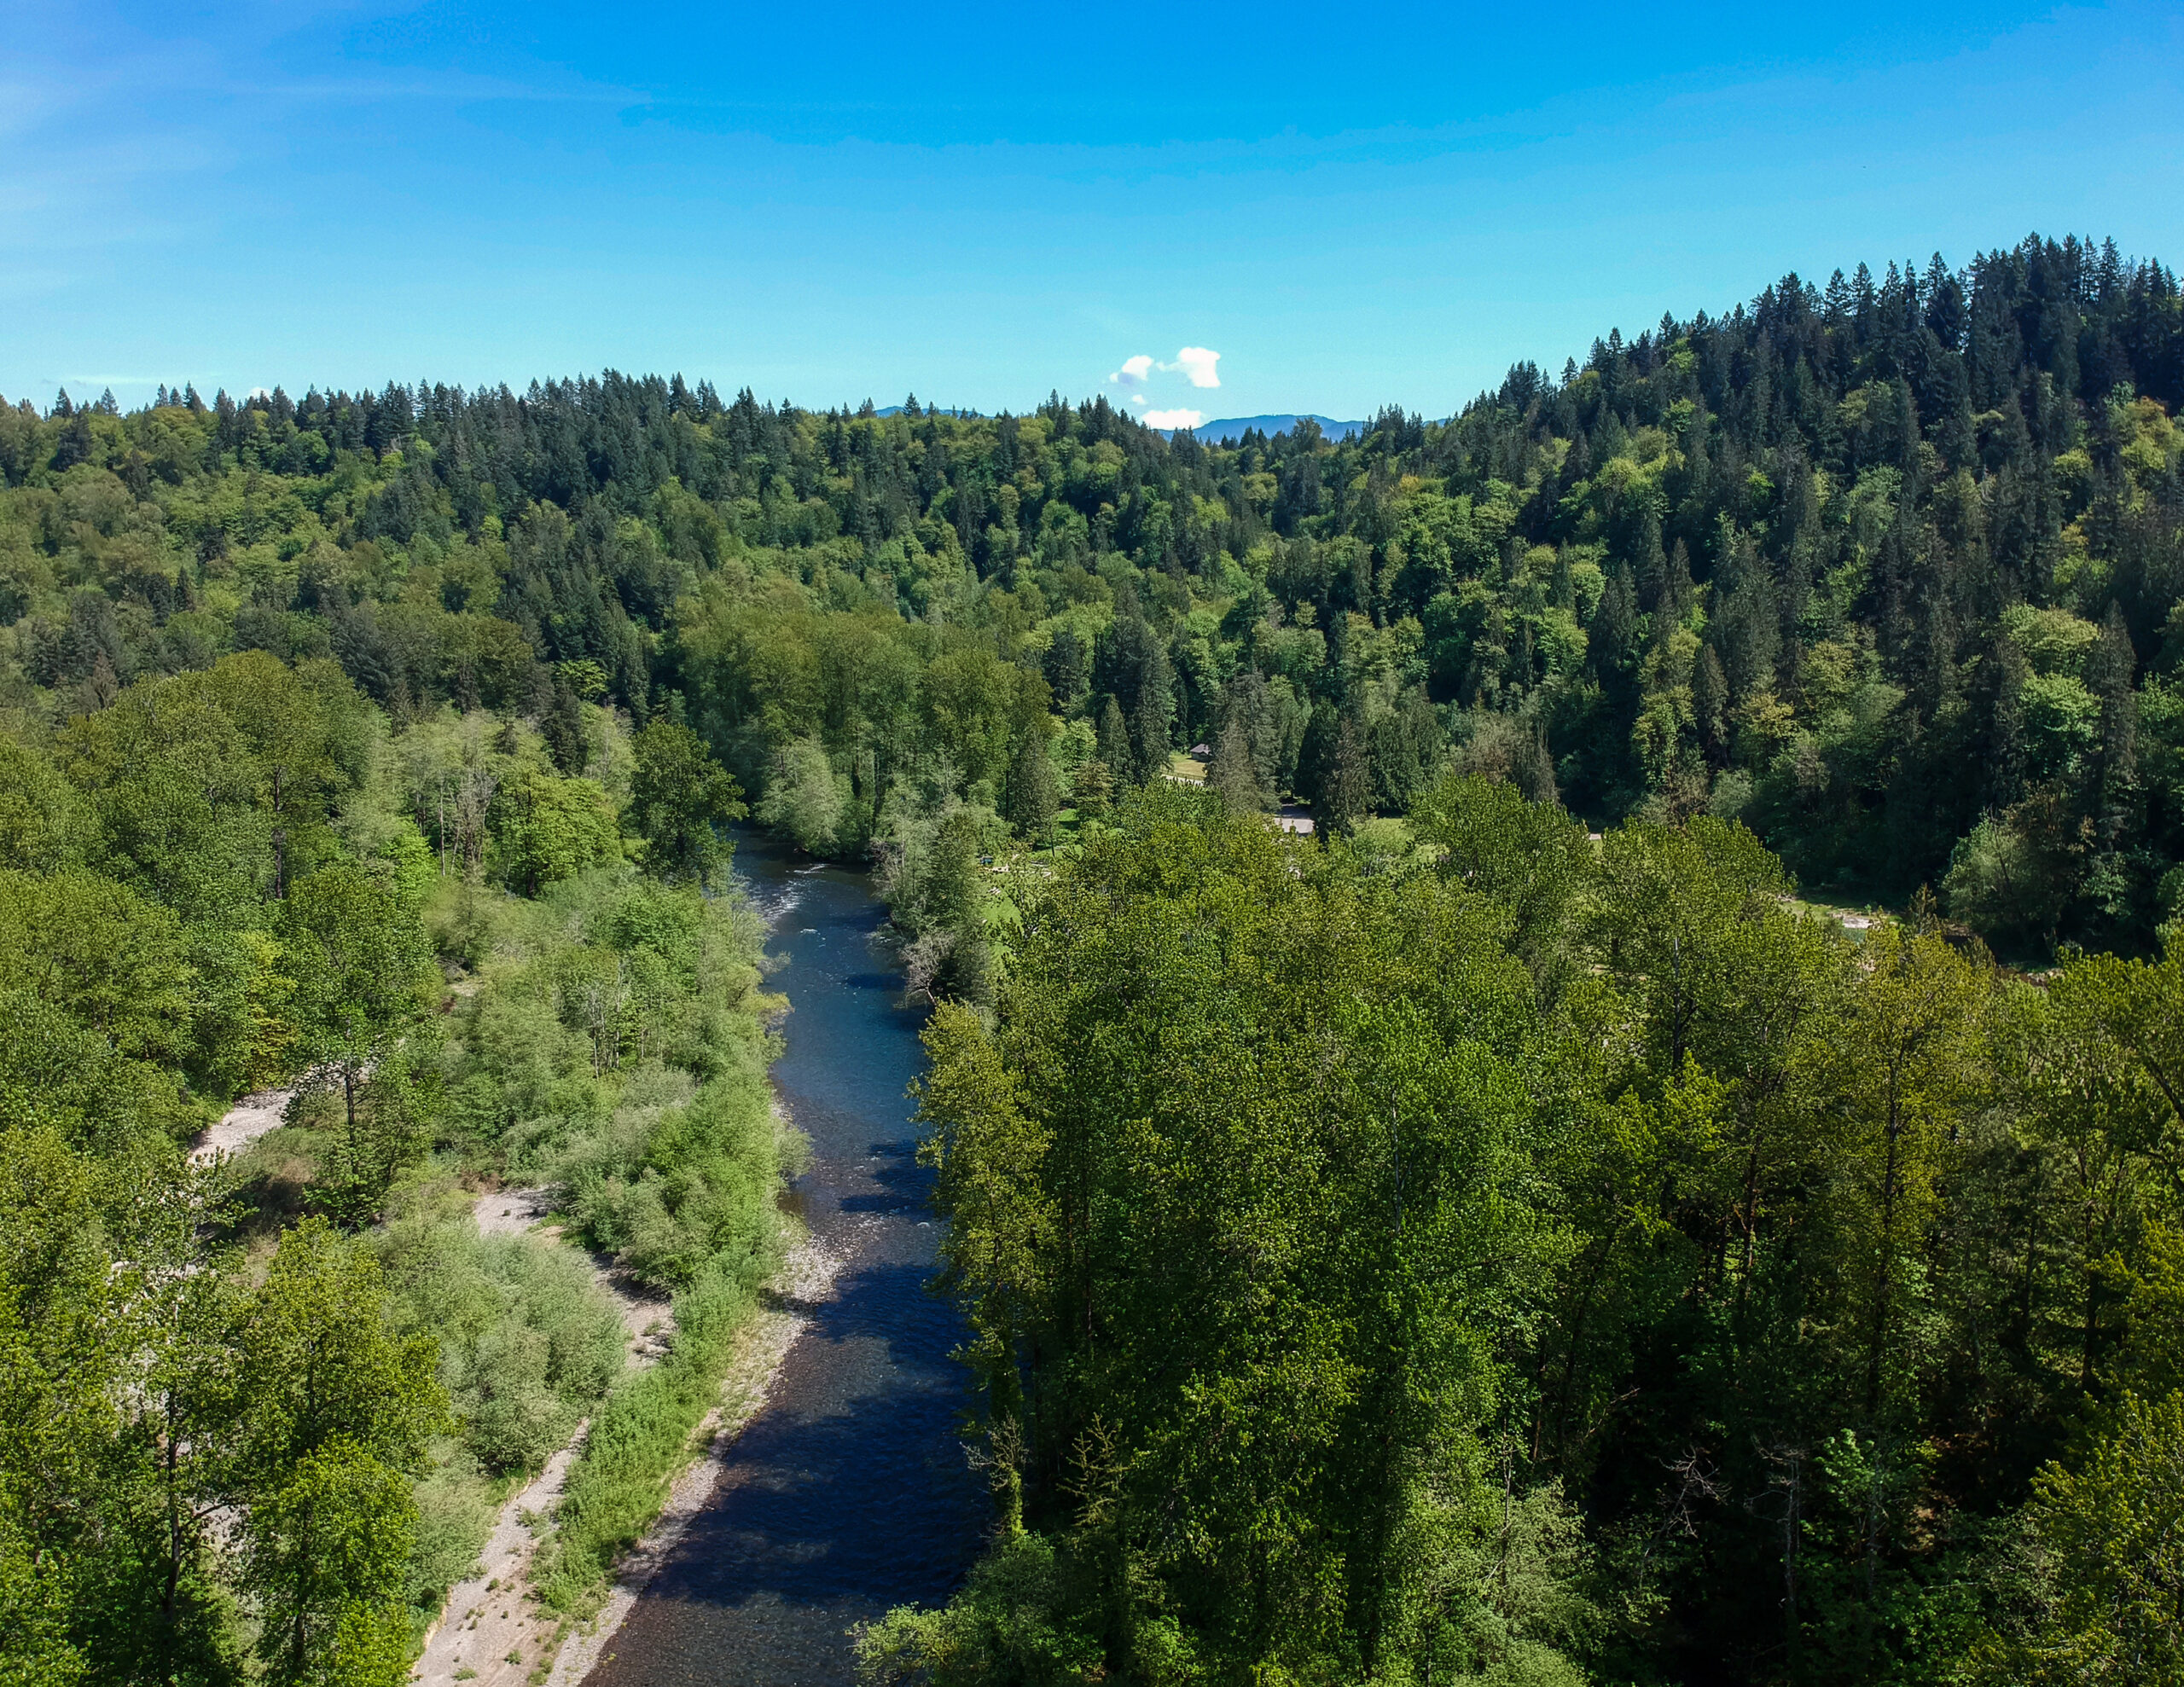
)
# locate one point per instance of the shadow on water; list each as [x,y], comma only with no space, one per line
[848,1492]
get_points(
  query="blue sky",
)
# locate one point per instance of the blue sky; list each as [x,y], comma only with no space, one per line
[1330,208]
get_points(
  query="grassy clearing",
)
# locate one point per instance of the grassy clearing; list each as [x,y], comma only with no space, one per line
[1857,920]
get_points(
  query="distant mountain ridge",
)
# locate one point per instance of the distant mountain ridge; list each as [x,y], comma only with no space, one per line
[1236,427]
[1223,432]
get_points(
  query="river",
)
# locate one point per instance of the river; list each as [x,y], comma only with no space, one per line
[848,1492]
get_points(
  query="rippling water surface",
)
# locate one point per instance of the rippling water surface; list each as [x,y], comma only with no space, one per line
[848,1492]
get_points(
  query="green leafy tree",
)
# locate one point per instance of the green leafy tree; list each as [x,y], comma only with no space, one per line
[945,904]
[977,707]
[325,1557]
[804,797]
[61,1357]
[115,962]
[1529,856]
[42,824]
[2109,1535]
[1346,791]
[1233,774]
[156,1604]
[990,1156]
[1092,788]
[1909,1060]
[1115,754]
[681,801]
[1152,1182]
[1150,723]
[2101,1079]
[1032,794]
[2012,876]
[339,1410]
[546,829]
[363,983]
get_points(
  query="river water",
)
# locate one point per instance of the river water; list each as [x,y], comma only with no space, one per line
[848,1492]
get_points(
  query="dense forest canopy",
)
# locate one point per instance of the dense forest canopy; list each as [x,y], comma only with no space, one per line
[1885,567]
[1497,1256]
[1505,1237]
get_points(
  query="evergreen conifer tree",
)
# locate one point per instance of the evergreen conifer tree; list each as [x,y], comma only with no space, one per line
[1114,744]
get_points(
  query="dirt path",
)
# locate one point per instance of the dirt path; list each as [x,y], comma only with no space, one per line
[489,1632]
[242,1124]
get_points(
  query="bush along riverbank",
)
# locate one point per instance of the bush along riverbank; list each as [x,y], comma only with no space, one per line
[643,1435]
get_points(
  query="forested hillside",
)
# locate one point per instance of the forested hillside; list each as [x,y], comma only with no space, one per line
[1885,568]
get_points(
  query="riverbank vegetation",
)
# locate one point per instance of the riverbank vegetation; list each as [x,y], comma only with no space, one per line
[262,1412]
[1528,1260]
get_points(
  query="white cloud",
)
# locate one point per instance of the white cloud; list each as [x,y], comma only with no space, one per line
[1197,363]
[1174,418]
[1139,398]
[1133,371]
